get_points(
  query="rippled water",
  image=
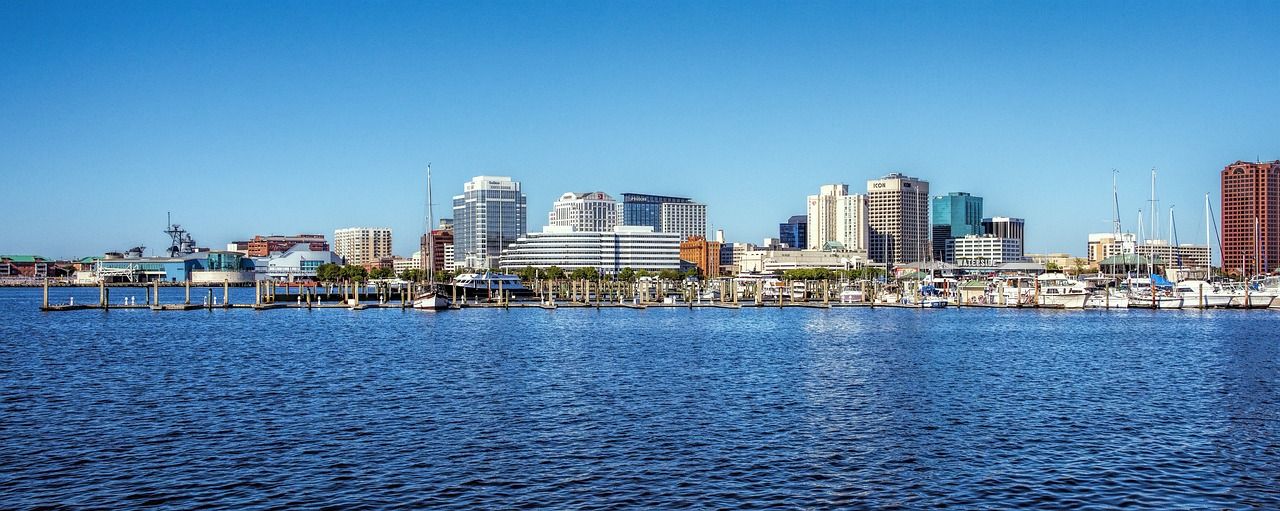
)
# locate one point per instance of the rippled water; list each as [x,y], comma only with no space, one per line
[492,409]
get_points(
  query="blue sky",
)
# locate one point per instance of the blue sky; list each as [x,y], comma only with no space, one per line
[250,118]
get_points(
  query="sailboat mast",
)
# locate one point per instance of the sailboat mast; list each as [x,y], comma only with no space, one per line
[1155,232]
[431,240]
[1115,207]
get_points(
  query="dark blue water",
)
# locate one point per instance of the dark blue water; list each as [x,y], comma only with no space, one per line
[491,409]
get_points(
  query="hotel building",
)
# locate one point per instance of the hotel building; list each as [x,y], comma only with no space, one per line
[1251,217]
[635,247]
[837,220]
[591,211]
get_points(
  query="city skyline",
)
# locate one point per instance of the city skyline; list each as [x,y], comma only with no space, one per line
[115,118]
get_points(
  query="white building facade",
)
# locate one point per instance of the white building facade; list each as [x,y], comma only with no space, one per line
[362,245]
[591,211]
[297,263]
[635,247]
[898,219]
[836,217]
[684,218]
[770,261]
[982,251]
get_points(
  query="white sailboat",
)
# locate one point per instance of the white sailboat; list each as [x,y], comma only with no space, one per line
[430,298]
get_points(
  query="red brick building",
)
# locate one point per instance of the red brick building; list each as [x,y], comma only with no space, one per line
[1251,217]
[703,254]
[441,237]
[263,246]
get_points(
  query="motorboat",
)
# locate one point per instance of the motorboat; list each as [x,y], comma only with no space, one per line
[488,280]
[1199,294]
[1107,299]
[1059,290]
[1244,297]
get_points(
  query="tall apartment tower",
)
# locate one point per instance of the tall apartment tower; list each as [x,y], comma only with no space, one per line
[489,215]
[955,215]
[898,215]
[665,214]
[837,218]
[1005,227]
[591,212]
[1251,217]
[362,245]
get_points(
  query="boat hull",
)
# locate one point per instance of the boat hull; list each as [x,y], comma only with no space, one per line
[1206,301]
[1256,301]
[430,301]
[1065,300]
[1160,302]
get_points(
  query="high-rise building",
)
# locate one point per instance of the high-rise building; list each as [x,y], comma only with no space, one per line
[794,232]
[836,220]
[1251,217]
[363,246]
[955,215]
[1108,244]
[591,211]
[635,247]
[665,214]
[985,252]
[898,216]
[489,215]
[1006,227]
[704,254]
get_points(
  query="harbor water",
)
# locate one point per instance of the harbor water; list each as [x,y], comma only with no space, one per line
[645,409]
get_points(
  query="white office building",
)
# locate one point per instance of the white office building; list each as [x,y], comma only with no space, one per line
[635,247]
[362,245]
[489,215]
[770,261]
[450,264]
[684,218]
[402,264]
[982,251]
[898,218]
[591,211]
[837,220]
[297,263]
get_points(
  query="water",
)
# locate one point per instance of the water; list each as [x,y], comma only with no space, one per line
[492,409]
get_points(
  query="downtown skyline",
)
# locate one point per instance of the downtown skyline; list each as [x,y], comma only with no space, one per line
[289,118]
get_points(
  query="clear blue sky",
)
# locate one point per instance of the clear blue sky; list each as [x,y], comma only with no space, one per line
[244,118]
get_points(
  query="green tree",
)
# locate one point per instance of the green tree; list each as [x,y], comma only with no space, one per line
[669,274]
[693,271]
[353,273]
[555,273]
[527,274]
[412,275]
[627,275]
[584,274]
[1052,266]
[328,272]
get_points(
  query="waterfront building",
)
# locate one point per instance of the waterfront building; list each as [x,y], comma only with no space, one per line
[898,218]
[981,252]
[837,220]
[1062,260]
[794,232]
[773,261]
[261,246]
[489,215]
[1107,244]
[438,243]
[955,215]
[635,247]
[296,264]
[1251,217]
[206,267]
[679,215]
[703,254]
[1006,227]
[590,211]
[29,266]
[363,246]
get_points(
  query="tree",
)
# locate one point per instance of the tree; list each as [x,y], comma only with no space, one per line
[584,274]
[328,272]
[412,274]
[381,273]
[669,274]
[627,275]
[354,273]
[693,271]
[1052,266]
[1079,264]
[555,273]
[527,274]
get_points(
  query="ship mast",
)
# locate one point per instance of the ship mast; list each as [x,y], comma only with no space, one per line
[431,241]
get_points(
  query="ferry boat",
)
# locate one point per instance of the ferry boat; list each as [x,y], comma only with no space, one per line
[489,280]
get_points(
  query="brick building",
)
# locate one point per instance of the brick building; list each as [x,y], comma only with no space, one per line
[1251,217]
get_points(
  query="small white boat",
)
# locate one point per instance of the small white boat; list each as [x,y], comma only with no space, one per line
[430,300]
[1107,299]
[1146,300]
[851,296]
